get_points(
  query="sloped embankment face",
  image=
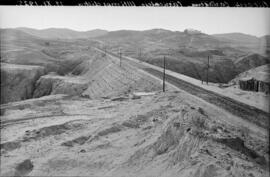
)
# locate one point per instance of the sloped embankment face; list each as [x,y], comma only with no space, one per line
[115,80]
[54,84]
[99,77]
[156,135]
[18,81]
[192,144]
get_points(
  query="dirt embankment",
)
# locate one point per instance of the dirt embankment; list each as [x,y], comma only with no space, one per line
[18,81]
[191,144]
[156,135]
[55,84]
[99,77]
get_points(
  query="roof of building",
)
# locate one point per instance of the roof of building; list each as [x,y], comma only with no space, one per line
[259,77]
[263,77]
[246,78]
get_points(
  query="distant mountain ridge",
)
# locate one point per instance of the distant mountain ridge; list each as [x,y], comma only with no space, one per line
[62,33]
[187,52]
[72,34]
[246,41]
[236,36]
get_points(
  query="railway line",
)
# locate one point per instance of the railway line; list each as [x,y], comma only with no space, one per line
[244,111]
[247,112]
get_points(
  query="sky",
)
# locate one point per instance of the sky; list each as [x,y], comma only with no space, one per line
[253,21]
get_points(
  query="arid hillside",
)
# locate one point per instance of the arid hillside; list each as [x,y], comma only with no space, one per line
[18,47]
[247,42]
[62,33]
[261,72]
[70,67]
[187,52]
[101,76]
[71,109]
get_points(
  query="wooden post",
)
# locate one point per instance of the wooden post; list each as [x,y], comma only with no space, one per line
[207,70]
[120,56]
[140,53]
[164,74]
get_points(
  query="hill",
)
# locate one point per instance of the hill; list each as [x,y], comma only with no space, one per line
[100,76]
[77,111]
[261,72]
[250,61]
[187,52]
[60,66]
[265,43]
[237,37]
[62,33]
[18,47]
[246,42]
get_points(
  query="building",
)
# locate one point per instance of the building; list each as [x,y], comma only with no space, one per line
[258,83]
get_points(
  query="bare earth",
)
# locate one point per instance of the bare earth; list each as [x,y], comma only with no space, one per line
[81,111]
[141,134]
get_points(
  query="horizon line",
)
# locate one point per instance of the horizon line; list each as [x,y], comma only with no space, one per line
[40,29]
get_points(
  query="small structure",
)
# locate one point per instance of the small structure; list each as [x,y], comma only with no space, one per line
[192,31]
[259,83]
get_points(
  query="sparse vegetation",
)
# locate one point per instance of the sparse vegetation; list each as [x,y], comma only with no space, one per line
[101,127]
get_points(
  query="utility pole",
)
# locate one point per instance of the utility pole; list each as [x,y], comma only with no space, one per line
[140,53]
[120,56]
[164,74]
[207,70]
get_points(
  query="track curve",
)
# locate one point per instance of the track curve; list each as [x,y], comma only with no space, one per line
[247,112]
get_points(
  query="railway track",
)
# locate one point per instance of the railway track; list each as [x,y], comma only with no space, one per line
[244,111]
[250,113]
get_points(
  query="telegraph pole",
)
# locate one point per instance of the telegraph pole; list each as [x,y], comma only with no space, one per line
[120,56]
[207,70]
[140,53]
[164,74]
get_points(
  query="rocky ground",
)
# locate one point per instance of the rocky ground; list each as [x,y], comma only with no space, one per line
[135,134]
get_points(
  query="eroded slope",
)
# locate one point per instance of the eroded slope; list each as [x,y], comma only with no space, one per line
[156,135]
[18,81]
[100,76]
